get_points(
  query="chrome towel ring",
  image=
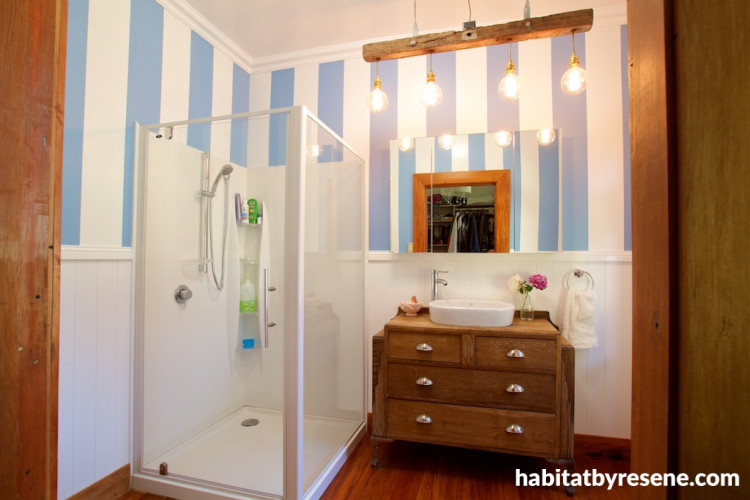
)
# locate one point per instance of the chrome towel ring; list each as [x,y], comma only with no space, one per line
[578,273]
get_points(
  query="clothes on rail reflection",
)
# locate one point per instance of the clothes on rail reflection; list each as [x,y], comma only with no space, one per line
[473,231]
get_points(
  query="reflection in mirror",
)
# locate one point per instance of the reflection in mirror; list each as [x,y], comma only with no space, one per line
[472,217]
[460,219]
[534,223]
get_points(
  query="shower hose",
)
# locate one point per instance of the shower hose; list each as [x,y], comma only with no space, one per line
[210,235]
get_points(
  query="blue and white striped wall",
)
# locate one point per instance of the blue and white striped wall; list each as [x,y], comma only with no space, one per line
[136,60]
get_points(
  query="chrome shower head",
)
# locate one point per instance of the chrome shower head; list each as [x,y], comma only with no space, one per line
[224,172]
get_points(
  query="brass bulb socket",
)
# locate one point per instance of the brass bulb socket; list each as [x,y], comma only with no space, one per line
[510,68]
[430,76]
[574,61]
[378,84]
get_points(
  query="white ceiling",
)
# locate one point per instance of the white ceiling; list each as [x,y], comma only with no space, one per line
[267,28]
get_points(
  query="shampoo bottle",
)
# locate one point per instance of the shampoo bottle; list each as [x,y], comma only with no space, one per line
[252,211]
[248,302]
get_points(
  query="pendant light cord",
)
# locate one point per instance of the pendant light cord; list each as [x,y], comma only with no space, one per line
[415,29]
[469,1]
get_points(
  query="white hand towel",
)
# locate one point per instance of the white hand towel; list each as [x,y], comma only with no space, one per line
[578,319]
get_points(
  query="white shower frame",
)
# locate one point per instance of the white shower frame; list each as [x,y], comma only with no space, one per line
[294,260]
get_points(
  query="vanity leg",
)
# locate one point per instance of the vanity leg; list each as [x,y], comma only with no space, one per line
[375,458]
[570,466]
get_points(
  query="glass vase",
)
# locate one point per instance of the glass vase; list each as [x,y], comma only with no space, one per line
[527,309]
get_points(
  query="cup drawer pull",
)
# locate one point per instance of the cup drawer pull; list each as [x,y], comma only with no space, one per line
[514,429]
[516,353]
[424,347]
[424,419]
[424,381]
[515,388]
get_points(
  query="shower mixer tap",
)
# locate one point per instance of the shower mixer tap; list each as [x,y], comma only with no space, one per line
[182,294]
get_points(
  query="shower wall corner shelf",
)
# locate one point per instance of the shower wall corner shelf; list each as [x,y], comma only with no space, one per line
[256,225]
[253,260]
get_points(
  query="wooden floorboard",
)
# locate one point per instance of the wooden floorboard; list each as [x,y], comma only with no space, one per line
[413,471]
[428,472]
[108,487]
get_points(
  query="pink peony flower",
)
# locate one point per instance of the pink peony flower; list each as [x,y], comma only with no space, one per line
[538,281]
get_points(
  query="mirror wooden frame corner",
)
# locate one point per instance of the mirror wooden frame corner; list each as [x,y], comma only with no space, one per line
[499,179]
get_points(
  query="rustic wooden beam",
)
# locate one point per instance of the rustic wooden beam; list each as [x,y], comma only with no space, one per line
[517,31]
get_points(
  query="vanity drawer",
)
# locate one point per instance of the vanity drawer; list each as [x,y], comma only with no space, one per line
[514,354]
[424,347]
[528,391]
[471,426]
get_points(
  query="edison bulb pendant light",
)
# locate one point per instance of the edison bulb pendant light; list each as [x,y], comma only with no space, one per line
[573,81]
[503,138]
[406,143]
[431,95]
[510,87]
[377,100]
[545,136]
[445,142]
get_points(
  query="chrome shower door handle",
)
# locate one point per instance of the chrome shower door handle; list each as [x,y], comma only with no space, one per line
[266,288]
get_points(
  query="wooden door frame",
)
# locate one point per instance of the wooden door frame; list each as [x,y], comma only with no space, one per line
[653,150]
[32,89]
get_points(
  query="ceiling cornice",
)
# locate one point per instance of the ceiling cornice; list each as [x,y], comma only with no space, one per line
[316,55]
[195,21]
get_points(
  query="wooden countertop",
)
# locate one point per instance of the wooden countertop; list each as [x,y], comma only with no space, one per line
[538,327]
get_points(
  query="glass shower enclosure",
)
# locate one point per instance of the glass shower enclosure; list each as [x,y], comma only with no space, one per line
[249,352]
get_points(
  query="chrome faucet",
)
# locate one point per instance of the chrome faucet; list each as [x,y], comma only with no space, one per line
[434,283]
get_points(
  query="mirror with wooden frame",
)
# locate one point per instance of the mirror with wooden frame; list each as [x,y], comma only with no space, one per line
[535,185]
[497,213]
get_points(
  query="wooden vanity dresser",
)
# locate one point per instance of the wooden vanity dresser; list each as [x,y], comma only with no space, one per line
[507,389]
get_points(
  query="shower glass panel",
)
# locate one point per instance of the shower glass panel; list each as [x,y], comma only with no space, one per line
[333,296]
[254,388]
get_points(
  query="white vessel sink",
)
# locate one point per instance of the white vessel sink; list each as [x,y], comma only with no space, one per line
[471,312]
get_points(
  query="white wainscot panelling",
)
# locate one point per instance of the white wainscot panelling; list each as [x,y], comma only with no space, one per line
[94,381]
[603,373]
[96,325]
